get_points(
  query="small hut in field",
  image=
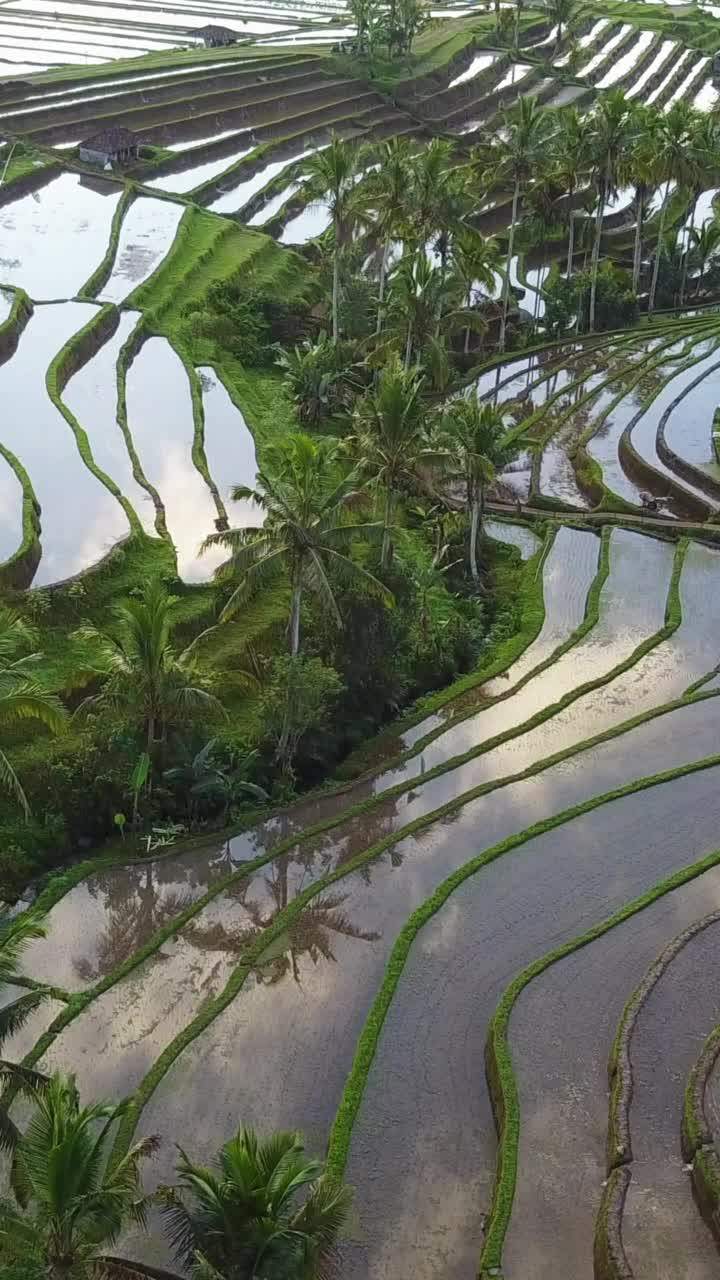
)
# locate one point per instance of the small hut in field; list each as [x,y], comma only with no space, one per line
[217,37]
[113,146]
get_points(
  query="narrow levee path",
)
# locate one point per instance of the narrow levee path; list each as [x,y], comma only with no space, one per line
[560,1035]
[663,1234]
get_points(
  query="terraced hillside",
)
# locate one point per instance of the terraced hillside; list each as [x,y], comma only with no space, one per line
[479,975]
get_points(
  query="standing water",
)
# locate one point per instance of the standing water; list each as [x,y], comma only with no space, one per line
[163,430]
[229,446]
[80,518]
[146,234]
[52,239]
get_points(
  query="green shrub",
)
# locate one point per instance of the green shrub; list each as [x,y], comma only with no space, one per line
[616,306]
[244,319]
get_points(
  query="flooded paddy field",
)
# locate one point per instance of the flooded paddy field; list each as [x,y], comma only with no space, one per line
[254,987]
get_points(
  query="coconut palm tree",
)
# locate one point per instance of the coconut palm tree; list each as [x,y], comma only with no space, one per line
[673,163]
[474,435]
[570,163]
[519,146]
[425,304]
[332,173]
[433,190]
[76,1202]
[474,259]
[702,169]
[384,194]
[609,131]
[305,495]
[263,1211]
[391,442]
[15,934]
[562,13]
[704,244]
[144,675]
[637,166]
[22,696]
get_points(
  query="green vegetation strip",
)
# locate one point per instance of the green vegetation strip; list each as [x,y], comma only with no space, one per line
[673,618]
[619,1149]
[288,914]
[532,617]
[126,355]
[103,271]
[499,1067]
[101,325]
[696,1130]
[16,572]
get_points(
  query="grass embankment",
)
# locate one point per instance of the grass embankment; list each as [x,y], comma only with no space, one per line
[391,793]
[77,350]
[519,594]
[103,271]
[499,1068]
[62,884]
[289,914]
[17,571]
[208,250]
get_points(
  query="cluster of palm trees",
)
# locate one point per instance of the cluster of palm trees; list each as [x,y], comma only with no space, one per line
[262,1211]
[418,207]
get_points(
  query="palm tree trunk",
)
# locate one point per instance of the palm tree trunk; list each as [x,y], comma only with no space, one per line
[571,244]
[336,284]
[474,527]
[686,254]
[637,251]
[387,526]
[506,282]
[596,259]
[658,251]
[466,345]
[408,345]
[150,741]
[295,618]
[381,285]
[698,286]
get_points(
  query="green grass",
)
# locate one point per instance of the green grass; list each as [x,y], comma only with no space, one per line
[103,271]
[93,334]
[673,616]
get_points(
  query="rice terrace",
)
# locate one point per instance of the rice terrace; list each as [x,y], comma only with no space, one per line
[359,639]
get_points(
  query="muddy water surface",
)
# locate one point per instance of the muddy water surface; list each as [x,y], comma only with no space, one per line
[191,178]
[306,225]
[688,429]
[91,396]
[80,518]
[11,501]
[147,231]
[104,920]
[664,1235]
[568,571]
[517,535]
[425,1094]
[52,239]
[309,1006]
[645,431]
[163,430]
[561,1031]
[630,610]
